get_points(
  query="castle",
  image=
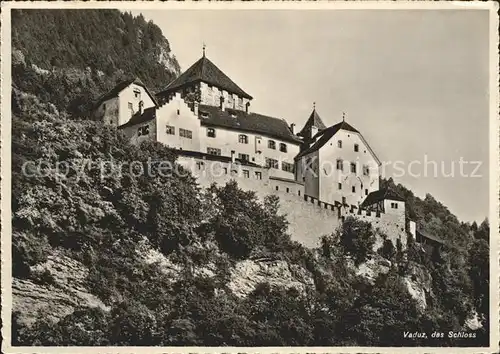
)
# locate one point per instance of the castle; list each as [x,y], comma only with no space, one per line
[322,174]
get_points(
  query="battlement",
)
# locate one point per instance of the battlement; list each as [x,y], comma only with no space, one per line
[309,218]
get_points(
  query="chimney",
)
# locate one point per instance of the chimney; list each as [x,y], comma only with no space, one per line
[292,128]
[141,107]
[222,103]
[195,108]
[246,106]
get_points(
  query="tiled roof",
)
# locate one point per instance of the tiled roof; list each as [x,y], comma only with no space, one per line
[381,194]
[247,122]
[122,86]
[138,118]
[325,135]
[314,120]
[429,236]
[206,71]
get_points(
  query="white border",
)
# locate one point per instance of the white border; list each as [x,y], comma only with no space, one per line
[323,5]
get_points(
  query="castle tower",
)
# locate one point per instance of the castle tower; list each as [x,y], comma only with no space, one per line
[206,84]
[314,124]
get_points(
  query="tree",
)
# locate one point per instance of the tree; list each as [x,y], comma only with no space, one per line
[356,238]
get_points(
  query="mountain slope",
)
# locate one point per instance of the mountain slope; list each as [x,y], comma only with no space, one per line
[71,57]
[154,260]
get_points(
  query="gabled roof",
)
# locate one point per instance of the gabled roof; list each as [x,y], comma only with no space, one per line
[138,118]
[206,71]
[381,194]
[246,122]
[325,135]
[314,120]
[122,86]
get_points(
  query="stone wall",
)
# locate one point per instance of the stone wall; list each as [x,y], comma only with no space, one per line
[309,218]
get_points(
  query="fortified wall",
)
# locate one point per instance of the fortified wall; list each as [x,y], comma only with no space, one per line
[309,219]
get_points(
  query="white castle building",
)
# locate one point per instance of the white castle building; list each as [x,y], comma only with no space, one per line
[207,119]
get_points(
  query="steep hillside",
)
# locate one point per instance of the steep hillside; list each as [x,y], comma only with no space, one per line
[104,256]
[89,51]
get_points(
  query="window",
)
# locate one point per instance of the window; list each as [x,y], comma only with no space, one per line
[288,190]
[366,170]
[246,173]
[343,200]
[214,151]
[356,147]
[244,157]
[240,101]
[178,112]
[283,147]
[258,174]
[144,130]
[339,143]
[104,106]
[243,139]
[271,144]
[272,163]
[137,94]
[184,133]
[199,164]
[353,167]
[131,106]
[353,189]
[211,132]
[394,205]
[340,165]
[170,130]
[340,186]
[277,188]
[225,170]
[366,191]
[287,167]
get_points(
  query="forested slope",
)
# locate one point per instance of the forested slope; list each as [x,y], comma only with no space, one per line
[153,260]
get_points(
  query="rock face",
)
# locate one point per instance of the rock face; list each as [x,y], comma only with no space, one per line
[373,267]
[58,290]
[249,273]
[419,283]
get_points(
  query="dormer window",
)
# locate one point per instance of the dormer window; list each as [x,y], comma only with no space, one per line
[339,144]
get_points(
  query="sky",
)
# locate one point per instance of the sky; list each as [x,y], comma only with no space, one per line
[413,82]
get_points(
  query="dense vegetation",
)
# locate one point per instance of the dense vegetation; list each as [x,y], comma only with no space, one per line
[99,215]
[89,51]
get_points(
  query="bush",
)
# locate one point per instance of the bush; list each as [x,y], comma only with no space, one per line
[356,239]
